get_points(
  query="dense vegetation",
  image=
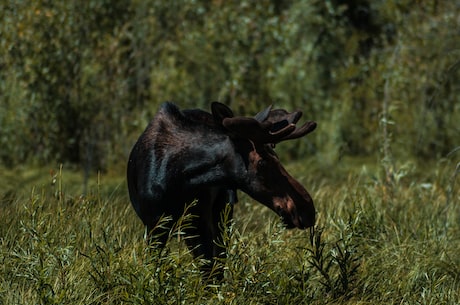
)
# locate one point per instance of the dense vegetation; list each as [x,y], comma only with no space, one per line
[374,243]
[80,80]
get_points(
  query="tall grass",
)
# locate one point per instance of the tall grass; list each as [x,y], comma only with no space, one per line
[370,246]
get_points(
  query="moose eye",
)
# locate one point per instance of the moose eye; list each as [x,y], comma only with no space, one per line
[261,163]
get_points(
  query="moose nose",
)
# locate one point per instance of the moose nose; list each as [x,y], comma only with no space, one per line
[296,214]
[307,214]
[306,222]
[302,206]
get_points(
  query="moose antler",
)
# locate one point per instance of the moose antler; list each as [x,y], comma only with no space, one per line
[263,115]
[300,132]
[268,126]
[280,118]
[256,131]
[278,115]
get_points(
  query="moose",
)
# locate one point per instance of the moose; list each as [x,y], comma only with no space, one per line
[188,155]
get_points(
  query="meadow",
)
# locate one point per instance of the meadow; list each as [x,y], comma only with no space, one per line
[384,235]
[79,81]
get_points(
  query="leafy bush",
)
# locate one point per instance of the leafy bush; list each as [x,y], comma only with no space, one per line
[80,81]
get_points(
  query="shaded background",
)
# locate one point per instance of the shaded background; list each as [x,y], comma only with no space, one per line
[80,80]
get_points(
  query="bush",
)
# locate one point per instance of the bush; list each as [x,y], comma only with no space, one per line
[84,79]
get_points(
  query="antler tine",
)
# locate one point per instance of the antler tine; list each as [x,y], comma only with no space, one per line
[264,114]
[300,132]
[278,115]
[256,131]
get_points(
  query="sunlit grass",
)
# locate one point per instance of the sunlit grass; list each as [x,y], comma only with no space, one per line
[376,242]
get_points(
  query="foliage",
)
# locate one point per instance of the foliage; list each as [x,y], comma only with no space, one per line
[79,81]
[374,243]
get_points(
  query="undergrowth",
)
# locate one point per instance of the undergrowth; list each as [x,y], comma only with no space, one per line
[374,243]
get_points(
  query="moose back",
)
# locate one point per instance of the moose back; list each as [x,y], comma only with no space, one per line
[190,155]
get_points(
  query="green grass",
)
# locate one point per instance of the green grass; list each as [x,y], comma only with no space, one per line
[378,240]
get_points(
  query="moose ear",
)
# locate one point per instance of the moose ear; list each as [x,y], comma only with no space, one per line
[263,115]
[220,112]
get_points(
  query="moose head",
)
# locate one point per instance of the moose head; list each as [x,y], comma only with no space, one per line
[192,154]
[264,178]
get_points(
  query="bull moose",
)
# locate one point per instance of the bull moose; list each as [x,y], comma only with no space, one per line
[192,154]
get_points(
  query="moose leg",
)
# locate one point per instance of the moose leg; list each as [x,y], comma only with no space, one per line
[200,233]
[156,235]
[223,201]
[221,219]
[207,241]
[156,228]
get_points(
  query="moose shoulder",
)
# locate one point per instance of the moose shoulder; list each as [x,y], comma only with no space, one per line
[192,154]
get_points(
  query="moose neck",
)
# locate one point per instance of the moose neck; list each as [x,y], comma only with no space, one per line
[212,161]
[192,152]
